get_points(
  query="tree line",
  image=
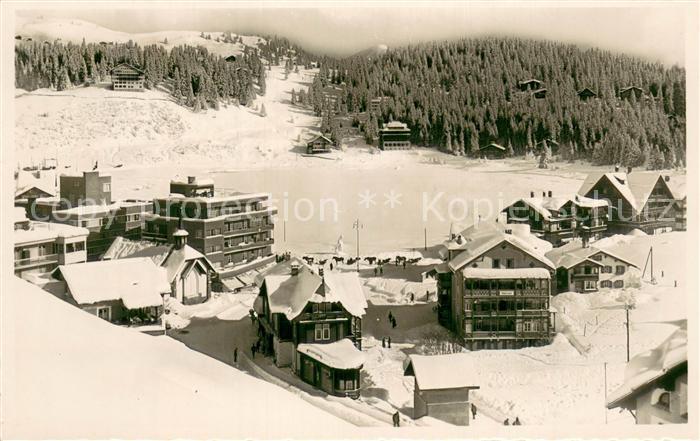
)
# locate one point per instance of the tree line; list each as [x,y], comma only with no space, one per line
[462,95]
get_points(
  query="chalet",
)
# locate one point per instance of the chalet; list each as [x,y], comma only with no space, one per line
[313,322]
[127,77]
[678,189]
[586,93]
[585,268]
[496,294]
[627,92]
[655,389]
[639,200]
[530,84]
[394,135]
[119,291]
[540,93]
[30,186]
[441,386]
[319,144]
[33,192]
[493,151]
[189,272]
[41,246]
[559,219]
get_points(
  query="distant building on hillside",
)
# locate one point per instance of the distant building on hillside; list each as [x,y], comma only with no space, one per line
[639,200]
[394,135]
[655,389]
[493,151]
[90,188]
[540,93]
[559,219]
[127,77]
[313,322]
[375,104]
[235,232]
[441,387]
[627,92]
[319,144]
[495,287]
[586,93]
[531,84]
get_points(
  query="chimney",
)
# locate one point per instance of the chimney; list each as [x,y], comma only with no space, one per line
[667,178]
[617,168]
[629,170]
[295,269]
[549,193]
[191,179]
[180,237]
[532,194]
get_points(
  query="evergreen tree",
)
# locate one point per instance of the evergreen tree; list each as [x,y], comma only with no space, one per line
[263,111]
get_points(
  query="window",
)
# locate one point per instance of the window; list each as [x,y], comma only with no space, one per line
[510,263]
[322,331]
[618,284]
[106,187]
[198,234]
[606,269]
[496,263]
[589,285]
[619,269]
[606,284]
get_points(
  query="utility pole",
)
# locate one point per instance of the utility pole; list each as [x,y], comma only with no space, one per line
[425,239]
[627,326]
[357,226]
[284,230]
[605,389]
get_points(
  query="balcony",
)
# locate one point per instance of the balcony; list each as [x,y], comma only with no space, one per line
[322,316]
[35,261]
[251,230]
[250,245]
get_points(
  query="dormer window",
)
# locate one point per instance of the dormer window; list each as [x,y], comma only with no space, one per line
[661,398]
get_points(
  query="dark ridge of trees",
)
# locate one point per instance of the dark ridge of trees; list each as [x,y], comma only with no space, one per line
[464,94]
[193,76]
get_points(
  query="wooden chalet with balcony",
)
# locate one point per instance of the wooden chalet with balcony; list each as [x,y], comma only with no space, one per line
[127,77]
[319,144]
[496,294]
[584,268]
[639,200]
[559,219]
[313,323]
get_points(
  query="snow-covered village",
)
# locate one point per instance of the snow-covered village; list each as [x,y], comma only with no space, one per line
[242,234]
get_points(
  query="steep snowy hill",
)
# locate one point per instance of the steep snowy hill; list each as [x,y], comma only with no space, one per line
[68,374]
[75,30]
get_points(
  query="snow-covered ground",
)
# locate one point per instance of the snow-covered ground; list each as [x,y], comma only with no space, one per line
[69,374]
[222,305]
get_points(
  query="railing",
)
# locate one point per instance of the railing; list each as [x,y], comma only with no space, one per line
[258,229]
[37,260]
[151,235]
[479,293]
[320,316]
[246,246]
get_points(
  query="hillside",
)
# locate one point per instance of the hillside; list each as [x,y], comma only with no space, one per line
[68,374]
[461,95]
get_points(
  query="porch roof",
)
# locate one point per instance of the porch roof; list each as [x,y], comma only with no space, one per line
[341,354]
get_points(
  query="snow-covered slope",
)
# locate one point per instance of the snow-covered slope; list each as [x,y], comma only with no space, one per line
[75,30]
[68,374]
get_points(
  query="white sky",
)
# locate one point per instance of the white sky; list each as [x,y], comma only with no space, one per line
[653,31]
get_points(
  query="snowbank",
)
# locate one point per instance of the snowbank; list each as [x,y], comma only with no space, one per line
[68,374]
[222,305]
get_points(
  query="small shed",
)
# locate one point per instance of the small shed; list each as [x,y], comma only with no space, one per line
[319,144]
[627,92]
[442,385]
[540,93]
[493,151]
[586,93]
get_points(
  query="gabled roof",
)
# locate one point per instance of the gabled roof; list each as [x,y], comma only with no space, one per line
[545,206]
[341,354]
[635,187]
[328,140]
[394,125]
[648,367]
[288,294]
[531,80]
[484,236]
[122,247]
[178,259]
[587,91]
[446,371]
[572,253]
[493,144]
[126,66]
[137,282]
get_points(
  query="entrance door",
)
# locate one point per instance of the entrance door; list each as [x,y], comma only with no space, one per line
[326,379]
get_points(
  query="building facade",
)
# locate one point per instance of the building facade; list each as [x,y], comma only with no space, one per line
[319,144]
[40,247]
[90,188]
[394,135]
[127,77]
[235,232]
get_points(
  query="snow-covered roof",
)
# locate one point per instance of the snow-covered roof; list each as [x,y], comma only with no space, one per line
[647,367]
[446,371]
[27,180]
[341,354]
[635,187]
[480,238]
[677,185]
[317,136]
[394,125]
[45,231]
[506,273]
[137,282]
[177,259]
[280,268]
[197,181]
[122,247]
[493,144]
[546,206]
[288,294]
[573,252]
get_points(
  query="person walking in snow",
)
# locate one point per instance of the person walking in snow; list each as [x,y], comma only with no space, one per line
[235,355]
[375,271]
[252,351]
[516,422]
[393,322]
[506,422]
[381,270]
[473,407]
[384,342]
[391,317]
[396,418]
[388,341]
[404,264]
